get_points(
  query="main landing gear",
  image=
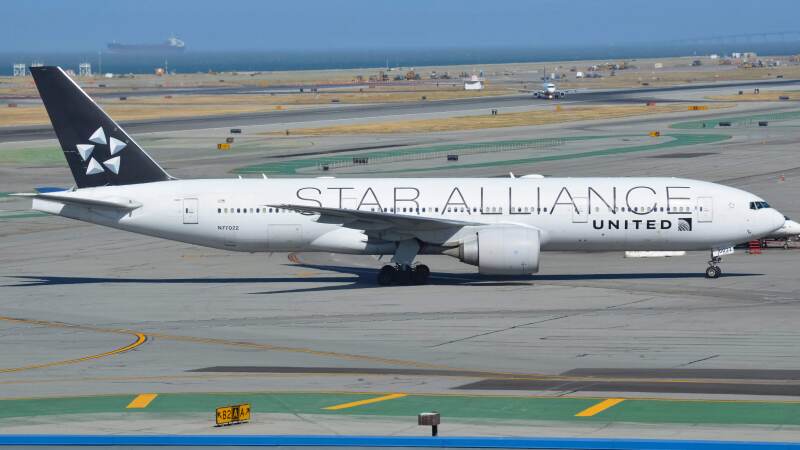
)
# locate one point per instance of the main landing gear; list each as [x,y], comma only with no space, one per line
[403,274]
[713,270]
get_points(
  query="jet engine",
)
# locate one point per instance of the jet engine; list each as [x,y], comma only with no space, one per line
[501,250]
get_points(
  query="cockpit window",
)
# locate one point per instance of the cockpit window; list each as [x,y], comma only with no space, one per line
[759,205]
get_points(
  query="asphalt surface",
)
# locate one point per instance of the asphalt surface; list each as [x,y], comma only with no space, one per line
[90,310]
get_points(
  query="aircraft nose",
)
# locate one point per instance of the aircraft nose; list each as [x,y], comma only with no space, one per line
[775,220]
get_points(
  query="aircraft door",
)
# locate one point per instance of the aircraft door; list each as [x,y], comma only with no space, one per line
[705,209]
[190,211]
[580,214]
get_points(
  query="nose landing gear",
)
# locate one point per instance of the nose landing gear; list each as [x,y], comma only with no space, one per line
[713,270]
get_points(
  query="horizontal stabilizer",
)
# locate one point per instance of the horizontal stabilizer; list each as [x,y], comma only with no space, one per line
[68,197]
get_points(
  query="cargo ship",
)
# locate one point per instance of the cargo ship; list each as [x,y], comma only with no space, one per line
[171,45]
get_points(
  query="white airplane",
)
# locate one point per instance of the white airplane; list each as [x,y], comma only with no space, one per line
[499,225]
[548,90]
[790,229]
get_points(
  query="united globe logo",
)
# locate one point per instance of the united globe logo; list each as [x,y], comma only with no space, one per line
[685,224]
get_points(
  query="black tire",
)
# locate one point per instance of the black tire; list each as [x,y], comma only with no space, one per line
[421,274]
[713,272]
[386,275]
[403,276]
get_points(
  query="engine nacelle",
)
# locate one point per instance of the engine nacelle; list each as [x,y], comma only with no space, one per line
[501,250]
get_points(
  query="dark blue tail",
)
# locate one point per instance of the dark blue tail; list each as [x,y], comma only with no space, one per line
[98,151]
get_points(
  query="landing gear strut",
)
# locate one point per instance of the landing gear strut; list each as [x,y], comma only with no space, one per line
[713,270]
[403,271]
[403,274]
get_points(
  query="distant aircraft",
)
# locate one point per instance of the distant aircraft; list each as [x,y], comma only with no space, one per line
[790,229]
[499,225]
[548,91]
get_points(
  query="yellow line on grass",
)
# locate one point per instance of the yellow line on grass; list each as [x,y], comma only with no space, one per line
[600,407]
[365,402]
[141,401]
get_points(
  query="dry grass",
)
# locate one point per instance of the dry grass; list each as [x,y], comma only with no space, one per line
[538,117]
[36,115]
[671,77]
[368,96]
[763,96]
[155,107]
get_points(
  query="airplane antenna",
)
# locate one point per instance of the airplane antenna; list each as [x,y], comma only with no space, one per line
[263,176]
[511,174]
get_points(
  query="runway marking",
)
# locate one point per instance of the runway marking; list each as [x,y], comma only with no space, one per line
[600,407]
[365,402]
[140,339]
[223,342]
[141,401]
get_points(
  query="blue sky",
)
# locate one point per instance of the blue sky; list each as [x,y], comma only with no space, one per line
[79,25]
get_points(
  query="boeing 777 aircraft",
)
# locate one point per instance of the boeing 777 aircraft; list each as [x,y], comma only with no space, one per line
[499,225]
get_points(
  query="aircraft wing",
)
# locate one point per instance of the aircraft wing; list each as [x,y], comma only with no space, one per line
[371,220]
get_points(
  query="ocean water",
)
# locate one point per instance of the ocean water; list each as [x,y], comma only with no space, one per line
[199,61]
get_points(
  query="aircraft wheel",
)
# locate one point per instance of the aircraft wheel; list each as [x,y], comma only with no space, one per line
[386,275]
[403,276]
[713,272]
[421,274]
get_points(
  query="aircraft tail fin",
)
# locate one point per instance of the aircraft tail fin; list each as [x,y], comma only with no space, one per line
[99,152]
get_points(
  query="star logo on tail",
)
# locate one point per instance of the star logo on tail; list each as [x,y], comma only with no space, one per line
[112,164]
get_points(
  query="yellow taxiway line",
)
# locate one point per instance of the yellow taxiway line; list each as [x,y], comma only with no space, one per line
[600,407]
[365,402]
[140,339]
[141,401]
